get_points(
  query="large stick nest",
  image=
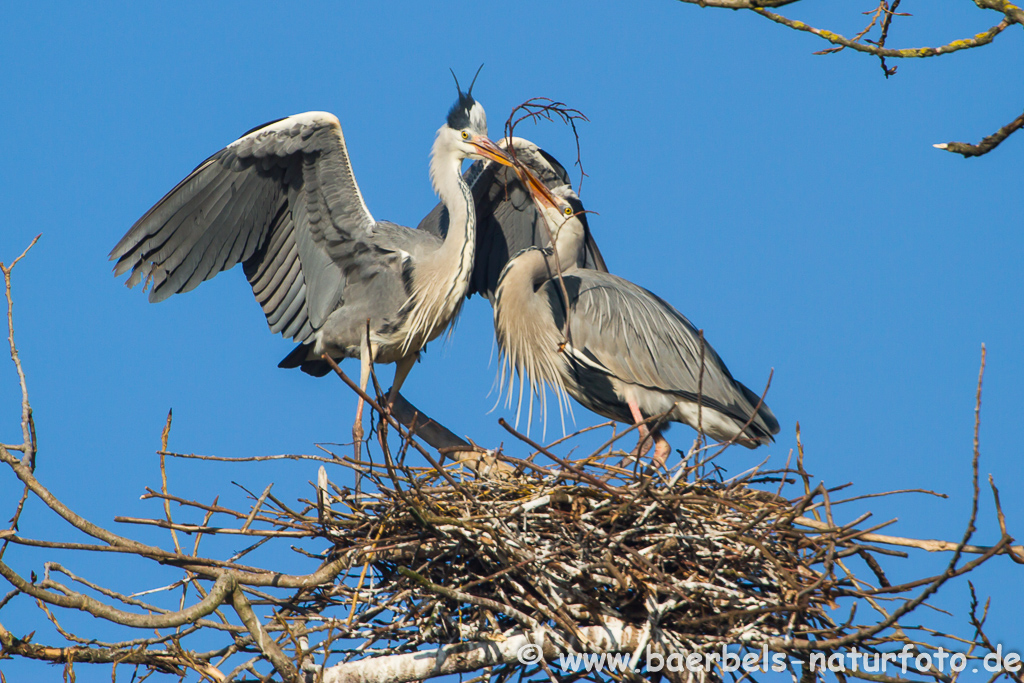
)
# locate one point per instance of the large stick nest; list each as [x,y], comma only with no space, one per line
[691,562]
[697,558]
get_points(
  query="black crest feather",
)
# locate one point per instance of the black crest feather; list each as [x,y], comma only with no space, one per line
[458,115]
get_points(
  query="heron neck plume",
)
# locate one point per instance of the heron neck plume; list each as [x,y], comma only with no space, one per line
[524,317]
[527,337]
[441,278]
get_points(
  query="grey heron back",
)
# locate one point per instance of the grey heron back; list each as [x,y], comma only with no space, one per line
[617,348]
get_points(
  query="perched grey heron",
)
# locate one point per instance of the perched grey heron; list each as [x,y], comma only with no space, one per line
[621,351]
[283,201]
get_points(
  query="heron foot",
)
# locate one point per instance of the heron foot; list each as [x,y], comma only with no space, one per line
[661,451]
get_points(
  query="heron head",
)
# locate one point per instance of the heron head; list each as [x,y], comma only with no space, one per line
[467,113]
[563,211]
[465,131]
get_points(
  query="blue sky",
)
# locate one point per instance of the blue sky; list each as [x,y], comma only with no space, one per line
[791,205]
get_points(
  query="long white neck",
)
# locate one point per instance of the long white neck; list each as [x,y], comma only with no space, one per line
[446,177]
[525,323]
[441,278]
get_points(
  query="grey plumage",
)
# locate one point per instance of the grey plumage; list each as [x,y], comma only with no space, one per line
[624,352]
[283,201]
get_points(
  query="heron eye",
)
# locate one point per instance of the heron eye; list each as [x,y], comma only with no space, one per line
[465,135]
[567,211]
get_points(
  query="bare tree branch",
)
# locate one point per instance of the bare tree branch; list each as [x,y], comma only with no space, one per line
[1012,14]
[987,144]
[983,38]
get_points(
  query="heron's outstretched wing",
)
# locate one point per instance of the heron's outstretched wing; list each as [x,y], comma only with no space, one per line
[283,201]
[507,220]
[632,334]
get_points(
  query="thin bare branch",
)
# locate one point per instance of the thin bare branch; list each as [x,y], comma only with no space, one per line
[987,144]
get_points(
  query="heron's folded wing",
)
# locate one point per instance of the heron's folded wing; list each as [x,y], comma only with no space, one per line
[637,337]
[282,200]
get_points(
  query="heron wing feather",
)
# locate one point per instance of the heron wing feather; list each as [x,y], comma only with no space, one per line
[641,339]
[282,200]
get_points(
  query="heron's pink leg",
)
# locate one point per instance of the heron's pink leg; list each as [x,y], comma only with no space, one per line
[364,377]
[402,368]
[662,447]
[634,410]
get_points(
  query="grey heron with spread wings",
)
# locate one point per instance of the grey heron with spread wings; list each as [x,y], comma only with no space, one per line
[618,349]
[282,200]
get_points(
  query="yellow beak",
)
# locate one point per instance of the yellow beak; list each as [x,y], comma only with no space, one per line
[488,149]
